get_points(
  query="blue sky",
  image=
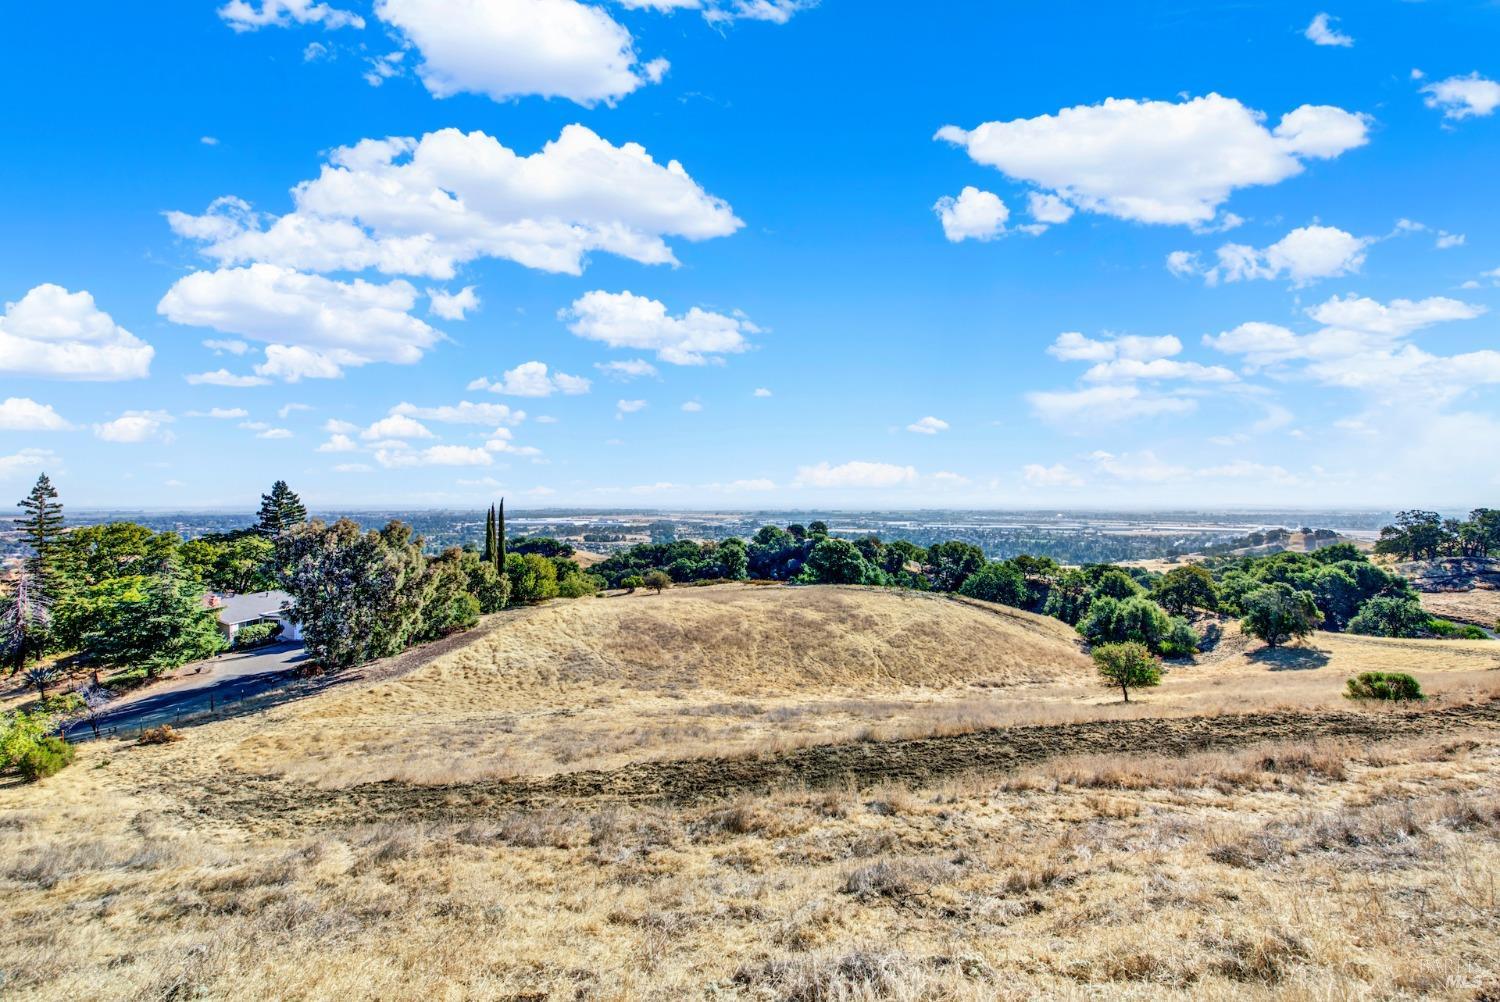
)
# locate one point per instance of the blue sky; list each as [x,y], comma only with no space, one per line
[770,253]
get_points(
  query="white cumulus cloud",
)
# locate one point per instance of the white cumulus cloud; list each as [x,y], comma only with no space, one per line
[425,206]
[316,327]
[973,215]
[506,49]
[136,426]
[928,426]
[1320,31]
[452,305]
[25,414]
[1304,256]
[532,379]
[1158,161]
[246,15]
[625,320]
[1458,98]
[54,333]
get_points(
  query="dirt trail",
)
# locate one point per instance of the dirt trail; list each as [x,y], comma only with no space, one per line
[285,806]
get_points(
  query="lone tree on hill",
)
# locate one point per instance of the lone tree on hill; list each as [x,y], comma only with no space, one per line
[1278,613]
[657,580]
[494,536]
[1129,665]
[41,526]
[280,510]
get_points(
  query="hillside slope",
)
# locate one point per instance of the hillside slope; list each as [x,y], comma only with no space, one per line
[600,681]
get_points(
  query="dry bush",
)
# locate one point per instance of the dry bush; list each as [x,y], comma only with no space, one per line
[166,734]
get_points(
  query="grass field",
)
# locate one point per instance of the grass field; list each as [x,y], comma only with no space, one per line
[1480,607]
[744,793]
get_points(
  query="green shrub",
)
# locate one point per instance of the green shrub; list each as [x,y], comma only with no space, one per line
[1384,685]
[47,757]
[632,582]
[1455,631]
[1181,641]
[577,586]
[60,704]
[256,634]
[26,747]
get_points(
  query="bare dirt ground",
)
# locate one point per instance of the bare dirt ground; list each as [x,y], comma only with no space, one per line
[1001,827]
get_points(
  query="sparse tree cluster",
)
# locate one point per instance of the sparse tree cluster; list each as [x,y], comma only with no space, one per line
[1426,535]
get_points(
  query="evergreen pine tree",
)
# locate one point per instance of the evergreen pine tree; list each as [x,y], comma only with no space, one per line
[41,526]
[279,510]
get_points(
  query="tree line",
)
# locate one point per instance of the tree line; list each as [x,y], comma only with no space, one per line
[1426,535]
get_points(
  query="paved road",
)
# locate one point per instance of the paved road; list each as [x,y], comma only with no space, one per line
[216,682]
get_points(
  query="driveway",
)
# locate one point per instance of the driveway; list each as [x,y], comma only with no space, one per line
[199,688]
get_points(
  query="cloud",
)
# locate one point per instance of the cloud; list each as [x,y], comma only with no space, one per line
[1447,241]
[718,11]
[1158,161]
[623,407]
[1046,208]
[452,305]
[973,215]
[274,433]
[244,15]
[220,413]
[436,455]
[1106,403]
[761,391]
[1472,96]
[58,334]
[1139,466]
[1322,32]
[25,414]
[464,412]
[627,370]
[928,426]
[1365,345]
[531,379]
[1056,475]
[226,346]
[855,474]
[425,206]
[625,320]
[338,443]
[396,426]
[1304,255]
[506,49]
[1126,370]
[286,410]
[27,462]
[223,377]
[1072,346]
[692,407]
[136,426]
[316,326]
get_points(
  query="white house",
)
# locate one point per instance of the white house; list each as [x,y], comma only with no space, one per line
[236,611]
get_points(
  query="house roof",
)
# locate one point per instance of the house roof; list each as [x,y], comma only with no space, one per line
[248,608]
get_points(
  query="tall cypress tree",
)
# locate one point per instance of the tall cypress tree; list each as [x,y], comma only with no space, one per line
[279,510]
[41,526]
[489,535]
[500,538]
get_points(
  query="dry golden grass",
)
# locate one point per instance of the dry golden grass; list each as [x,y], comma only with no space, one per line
[1480,607]
[211,868]
[1309,871]
[599,683]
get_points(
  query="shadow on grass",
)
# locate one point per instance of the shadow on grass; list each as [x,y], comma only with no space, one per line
[1290,658]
